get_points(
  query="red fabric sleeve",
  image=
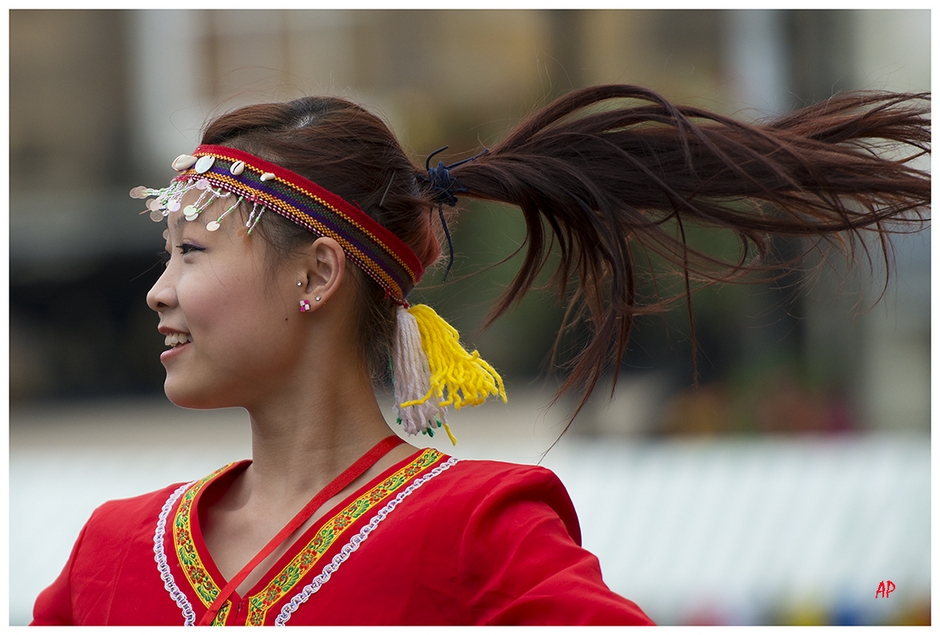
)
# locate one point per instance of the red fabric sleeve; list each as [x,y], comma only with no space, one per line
[110,576]
[53,607]
[522,561]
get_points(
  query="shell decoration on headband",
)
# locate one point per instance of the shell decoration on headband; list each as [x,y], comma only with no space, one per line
[431,369]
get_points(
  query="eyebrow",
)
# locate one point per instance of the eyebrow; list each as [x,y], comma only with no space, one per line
[179,222]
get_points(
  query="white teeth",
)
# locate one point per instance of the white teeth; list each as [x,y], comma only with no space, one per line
[175,339]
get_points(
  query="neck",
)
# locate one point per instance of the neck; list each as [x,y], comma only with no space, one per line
[299,445]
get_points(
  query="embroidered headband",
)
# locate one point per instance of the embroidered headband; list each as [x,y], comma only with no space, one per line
[377,251]
[432,370]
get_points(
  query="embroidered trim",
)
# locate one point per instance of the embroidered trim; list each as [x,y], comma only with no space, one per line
[222,615]
[329,533]
[193,568]
[288,609]
[176,594]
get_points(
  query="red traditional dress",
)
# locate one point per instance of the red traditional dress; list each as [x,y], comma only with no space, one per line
[432,540]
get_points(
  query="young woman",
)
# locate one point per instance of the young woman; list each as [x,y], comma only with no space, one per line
[294,235]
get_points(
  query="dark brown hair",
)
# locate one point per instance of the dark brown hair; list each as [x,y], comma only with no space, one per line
[610,175]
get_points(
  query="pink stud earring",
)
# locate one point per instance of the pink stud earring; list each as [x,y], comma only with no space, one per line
[304,306]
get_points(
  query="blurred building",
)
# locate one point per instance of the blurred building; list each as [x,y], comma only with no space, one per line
[101,101]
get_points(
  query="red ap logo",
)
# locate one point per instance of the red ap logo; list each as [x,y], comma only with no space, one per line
[885,587]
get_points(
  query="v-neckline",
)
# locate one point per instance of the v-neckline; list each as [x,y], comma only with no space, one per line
[210,579]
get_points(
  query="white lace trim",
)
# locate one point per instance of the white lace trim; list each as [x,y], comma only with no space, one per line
[189,616]
[288,609]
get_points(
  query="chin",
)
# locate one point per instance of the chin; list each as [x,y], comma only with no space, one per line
[192,398]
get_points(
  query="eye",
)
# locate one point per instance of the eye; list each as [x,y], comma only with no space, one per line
[186,248]
[163,256]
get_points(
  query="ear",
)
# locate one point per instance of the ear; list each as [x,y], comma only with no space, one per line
[325,268]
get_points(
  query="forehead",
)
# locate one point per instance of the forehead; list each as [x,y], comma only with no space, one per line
[199,208]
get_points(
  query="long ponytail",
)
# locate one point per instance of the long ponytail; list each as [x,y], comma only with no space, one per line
[610,186]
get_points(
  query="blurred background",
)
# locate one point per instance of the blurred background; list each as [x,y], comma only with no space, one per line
[782,490]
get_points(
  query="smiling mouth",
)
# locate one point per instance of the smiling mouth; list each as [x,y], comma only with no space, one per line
[177,339]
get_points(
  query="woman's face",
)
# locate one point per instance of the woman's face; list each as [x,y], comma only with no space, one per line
[230,323]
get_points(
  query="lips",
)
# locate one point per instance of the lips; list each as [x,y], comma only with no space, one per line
[177,341]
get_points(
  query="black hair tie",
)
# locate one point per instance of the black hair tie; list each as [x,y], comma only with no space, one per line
[444,189]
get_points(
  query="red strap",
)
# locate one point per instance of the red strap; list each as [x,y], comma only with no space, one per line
[333,488]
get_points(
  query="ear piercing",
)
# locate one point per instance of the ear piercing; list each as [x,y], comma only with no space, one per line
[305,304]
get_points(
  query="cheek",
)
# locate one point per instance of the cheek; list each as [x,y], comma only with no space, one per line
[262,310]
[206,304]
[210,306]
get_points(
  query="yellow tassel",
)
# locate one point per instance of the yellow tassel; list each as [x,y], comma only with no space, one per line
[466,378]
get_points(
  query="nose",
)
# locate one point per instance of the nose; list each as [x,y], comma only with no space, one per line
[162,294]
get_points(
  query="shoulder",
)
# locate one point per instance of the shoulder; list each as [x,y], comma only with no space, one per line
[118,521]
[473,475]
[474,470]
[473,489]
[146,508]
[490,477]
[129,510]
